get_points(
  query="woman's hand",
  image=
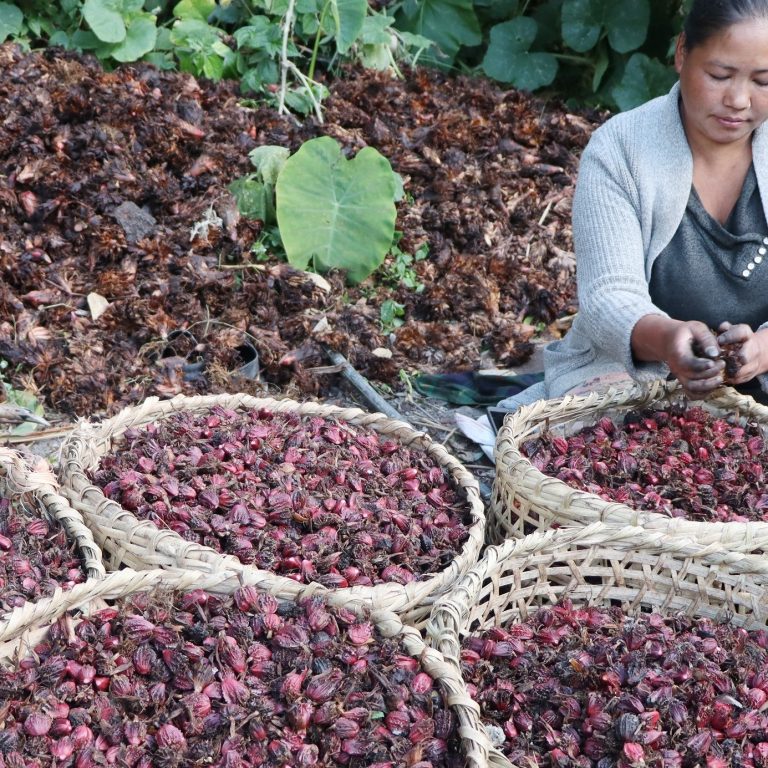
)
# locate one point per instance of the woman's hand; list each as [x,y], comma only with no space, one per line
[752,356]
[692,352]
[690,349]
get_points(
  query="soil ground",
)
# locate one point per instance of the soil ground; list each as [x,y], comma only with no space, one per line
[110,293]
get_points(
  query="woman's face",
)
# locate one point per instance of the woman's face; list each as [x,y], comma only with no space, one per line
[724,84]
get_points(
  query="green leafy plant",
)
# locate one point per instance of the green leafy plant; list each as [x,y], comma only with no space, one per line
[22,398]
[601,51]
[597,51]
[336,213]
[391,315]
[450,24]
[331,212]
[117,29]
[598,40]
[11,21]
[273,47]
[399,269]
[255,192]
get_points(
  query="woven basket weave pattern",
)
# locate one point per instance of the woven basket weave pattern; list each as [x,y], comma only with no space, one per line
[26,482]
[524,499]
[638,569]
[127,541]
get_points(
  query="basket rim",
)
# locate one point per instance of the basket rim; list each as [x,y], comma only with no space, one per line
[513,465]
[557,542]
[81,451]
[21,476]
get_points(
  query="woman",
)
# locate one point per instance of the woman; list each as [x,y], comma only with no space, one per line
[670,223]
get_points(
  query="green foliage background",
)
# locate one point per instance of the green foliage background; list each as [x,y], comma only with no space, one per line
[610,53]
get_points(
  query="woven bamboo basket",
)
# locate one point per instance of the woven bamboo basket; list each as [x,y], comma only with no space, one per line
[127,541]
[524,499]
[638,569]
[26,626]
[29,480]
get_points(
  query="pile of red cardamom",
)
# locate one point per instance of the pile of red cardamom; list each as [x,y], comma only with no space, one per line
[197,680]
[309,498]
[589,687]
[35,555]
[681,462]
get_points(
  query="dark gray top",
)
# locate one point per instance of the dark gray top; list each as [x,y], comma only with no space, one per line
[714,272]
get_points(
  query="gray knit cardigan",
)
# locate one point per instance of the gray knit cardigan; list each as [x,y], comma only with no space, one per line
[634,180]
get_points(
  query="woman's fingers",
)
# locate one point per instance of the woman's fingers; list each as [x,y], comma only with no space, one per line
[734,334]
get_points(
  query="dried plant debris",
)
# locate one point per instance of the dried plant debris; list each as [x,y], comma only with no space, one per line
[117,232]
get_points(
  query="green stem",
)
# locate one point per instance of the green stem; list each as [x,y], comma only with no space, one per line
[574,59]
[316,47]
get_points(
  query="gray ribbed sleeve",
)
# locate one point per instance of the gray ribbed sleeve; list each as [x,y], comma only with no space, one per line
[634,180]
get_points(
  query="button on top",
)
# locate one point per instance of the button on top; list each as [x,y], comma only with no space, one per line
[758,259]
[750,266]
[765,241]
[746,273]
[761,251]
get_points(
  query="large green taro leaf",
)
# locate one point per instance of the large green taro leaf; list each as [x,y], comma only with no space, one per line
[335,213]
[508,59]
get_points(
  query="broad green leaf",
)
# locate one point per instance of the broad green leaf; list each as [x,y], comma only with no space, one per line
[582,24]
[256,77]
[349,16]
[449,23]
[376,30]
[411,40]
[194,9]
[251,197]
[139,39]
[399,187]
[269,160]
[627,24]
[336,213]
[161,60]
[260,34]
[513,36]
[163,40]
[60,38]
[643,79]
[11,21]
[297,100]
[508,60]
[194,31]
[221,49]
[213,67]
[391,314]
[231,14]
[378,56]
[84,40]
[104,17]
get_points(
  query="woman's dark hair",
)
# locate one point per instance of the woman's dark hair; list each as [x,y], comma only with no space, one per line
[709,17]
